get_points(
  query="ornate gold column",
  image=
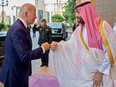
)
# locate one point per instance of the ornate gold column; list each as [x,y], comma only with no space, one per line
[78,1]
[92,1]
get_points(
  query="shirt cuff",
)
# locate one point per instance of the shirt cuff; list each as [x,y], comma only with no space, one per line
[105,67]
[43,49]
[107,72]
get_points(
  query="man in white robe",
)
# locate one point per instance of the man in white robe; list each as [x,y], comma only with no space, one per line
[88,58]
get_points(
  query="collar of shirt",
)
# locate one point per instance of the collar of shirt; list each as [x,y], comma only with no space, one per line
[23,22]
[84,33]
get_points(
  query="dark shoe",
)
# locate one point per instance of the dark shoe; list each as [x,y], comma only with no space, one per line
[46,65]
[42,65]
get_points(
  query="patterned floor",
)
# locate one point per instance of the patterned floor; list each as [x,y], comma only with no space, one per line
[43,76]
[37,80]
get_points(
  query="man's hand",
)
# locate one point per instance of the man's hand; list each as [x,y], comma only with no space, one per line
[53,46]
[97,79]
[38,22]
[46,46]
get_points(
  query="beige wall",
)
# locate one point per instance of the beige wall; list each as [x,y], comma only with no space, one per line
[106,9]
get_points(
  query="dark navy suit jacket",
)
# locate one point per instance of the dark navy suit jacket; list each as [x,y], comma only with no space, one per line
[18,56]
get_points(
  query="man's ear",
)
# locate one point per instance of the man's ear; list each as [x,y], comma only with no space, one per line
[26,13]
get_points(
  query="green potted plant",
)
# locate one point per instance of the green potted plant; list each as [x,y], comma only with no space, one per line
[3,26]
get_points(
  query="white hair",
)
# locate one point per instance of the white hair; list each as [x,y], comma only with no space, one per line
[25,8]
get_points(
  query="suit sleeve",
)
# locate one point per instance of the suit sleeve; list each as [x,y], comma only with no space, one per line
[21,44]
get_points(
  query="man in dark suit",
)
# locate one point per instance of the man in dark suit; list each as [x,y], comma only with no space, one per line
[18,50]
[45,35]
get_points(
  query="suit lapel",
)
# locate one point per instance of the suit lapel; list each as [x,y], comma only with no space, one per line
[27,30]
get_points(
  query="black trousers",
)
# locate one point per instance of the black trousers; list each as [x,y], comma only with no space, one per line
[45,58]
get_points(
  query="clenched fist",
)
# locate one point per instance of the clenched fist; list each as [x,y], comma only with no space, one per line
[46,46]
[53,46]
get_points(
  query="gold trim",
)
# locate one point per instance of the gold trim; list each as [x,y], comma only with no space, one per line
[104,39]
[82,39]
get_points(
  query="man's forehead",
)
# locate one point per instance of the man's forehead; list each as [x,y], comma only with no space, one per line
[33,10]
